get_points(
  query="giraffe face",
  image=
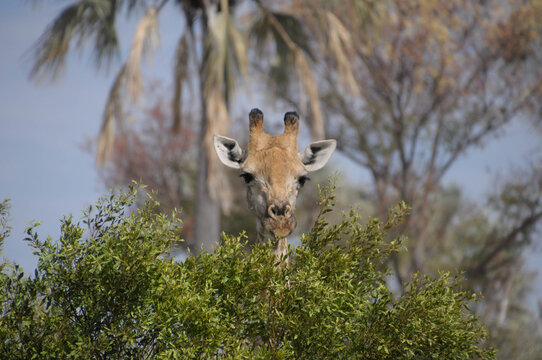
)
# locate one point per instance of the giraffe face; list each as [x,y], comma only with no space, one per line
[273,178]
[273,171]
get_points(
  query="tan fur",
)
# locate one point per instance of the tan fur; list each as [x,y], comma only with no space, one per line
[277,167]
[274,173]
[260,141]
[274,162]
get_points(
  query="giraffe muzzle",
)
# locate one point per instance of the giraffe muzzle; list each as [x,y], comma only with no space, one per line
[280,220]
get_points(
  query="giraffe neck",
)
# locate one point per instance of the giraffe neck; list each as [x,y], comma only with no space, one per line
[281,244]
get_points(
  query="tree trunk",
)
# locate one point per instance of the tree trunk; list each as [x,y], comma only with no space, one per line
[207,222]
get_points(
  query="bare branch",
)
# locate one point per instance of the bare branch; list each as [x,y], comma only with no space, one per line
[502,244]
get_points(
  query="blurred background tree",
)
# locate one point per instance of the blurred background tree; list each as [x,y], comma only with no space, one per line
[406,87]
[432,80]
[211,55]
[436,79]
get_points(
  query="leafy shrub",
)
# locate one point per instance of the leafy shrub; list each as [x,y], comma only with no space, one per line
[109,289]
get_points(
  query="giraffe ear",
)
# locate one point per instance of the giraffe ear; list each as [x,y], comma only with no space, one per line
[316,155]
[228,151]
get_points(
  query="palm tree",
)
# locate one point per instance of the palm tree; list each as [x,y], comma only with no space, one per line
[216,51]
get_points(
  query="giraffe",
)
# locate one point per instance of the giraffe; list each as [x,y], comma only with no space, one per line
[273,171]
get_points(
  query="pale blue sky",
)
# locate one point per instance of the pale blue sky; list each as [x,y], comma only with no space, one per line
[46,175]
[42,169]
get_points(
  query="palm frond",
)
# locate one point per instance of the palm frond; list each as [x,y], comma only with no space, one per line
[296,32]
[302,67]
[111,115]
[133,4]
[127,82]
[226,58]
[270,48]
[341,47]
[238,44]
[106,44]
[146,32]
[80,22]
[216,51]
[226,47]
[308,81]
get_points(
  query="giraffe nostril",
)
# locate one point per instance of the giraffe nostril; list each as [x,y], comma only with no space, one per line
[275,210]
[287,210]
[272,211]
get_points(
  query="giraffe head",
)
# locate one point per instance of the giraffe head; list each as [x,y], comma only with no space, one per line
[274,171]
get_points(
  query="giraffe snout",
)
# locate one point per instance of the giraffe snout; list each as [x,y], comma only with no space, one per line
[279,209]
[281,220]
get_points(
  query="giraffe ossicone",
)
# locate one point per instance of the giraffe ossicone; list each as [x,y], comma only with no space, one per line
[274,171]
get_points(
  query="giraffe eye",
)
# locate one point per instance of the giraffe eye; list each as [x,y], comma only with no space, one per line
[248,177]
[302,180]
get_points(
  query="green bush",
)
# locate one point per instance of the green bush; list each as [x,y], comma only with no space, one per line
[108,289]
